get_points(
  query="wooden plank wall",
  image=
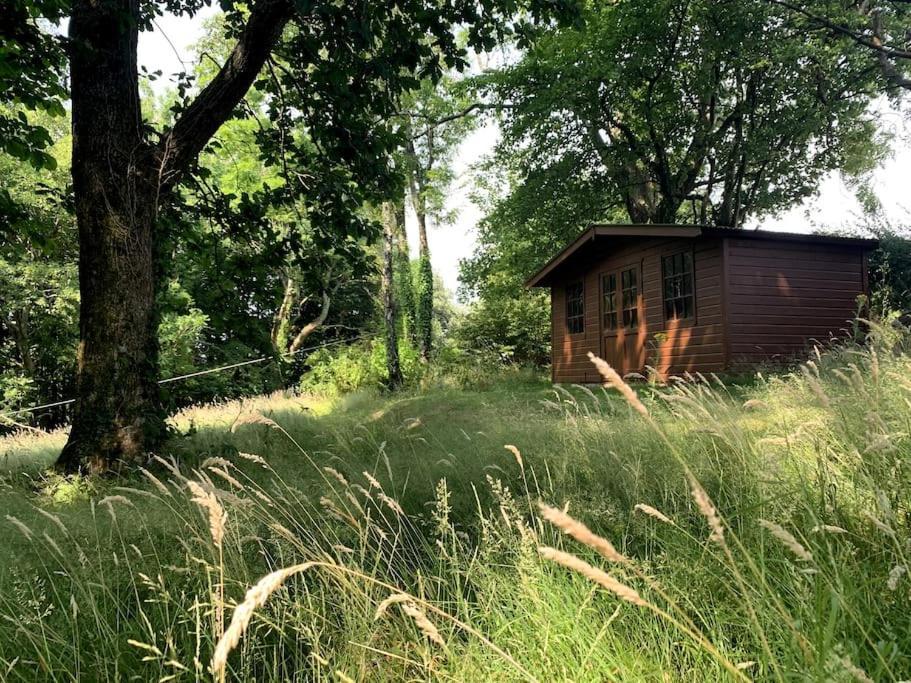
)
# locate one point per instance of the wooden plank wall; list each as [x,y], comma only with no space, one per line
[695,345]
[782,295]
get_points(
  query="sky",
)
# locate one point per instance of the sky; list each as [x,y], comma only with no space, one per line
[833,208]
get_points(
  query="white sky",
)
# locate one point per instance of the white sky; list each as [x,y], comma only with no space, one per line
[835,206]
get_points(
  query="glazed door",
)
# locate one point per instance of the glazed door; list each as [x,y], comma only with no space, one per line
[622,308]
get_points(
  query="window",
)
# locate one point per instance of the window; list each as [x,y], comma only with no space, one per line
[677,271]
[630,297]
[575,308]
[609,293]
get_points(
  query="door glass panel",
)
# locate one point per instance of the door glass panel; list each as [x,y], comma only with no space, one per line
[609,306]
[630,297]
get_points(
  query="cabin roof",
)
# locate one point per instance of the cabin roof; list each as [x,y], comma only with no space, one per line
[601,231]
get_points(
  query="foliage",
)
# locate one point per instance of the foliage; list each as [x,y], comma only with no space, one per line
[879,30]
[731,109]
[890,269]
[32,66]
[424,304]
[357,366]
[416,495]
[731,112]
[512,329]
[436,118]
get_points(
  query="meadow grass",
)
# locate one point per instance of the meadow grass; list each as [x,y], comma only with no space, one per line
[514,532]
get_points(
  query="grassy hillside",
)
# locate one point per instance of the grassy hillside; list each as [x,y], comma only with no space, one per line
[751,532]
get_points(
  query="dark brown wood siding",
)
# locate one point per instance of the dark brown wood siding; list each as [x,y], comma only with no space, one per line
[781,296]
[691,345]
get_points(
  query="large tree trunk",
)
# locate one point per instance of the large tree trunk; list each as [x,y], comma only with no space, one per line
[119,181]
[117,413]
[393,367]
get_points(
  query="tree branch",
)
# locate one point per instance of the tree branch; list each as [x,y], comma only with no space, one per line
[859,38]
[212,107]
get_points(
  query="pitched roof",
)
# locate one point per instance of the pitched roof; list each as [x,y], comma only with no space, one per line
[598,232]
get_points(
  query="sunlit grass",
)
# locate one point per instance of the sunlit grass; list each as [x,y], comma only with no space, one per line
[755,532]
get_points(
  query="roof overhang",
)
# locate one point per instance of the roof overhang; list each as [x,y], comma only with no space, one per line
[600,232]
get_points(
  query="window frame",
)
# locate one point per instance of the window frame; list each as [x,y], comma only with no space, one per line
[566,302]
[678,320]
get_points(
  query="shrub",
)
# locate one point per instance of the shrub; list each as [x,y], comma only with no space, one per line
[362,365]
[516,330]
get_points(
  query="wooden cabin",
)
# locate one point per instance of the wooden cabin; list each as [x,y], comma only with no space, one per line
[693,298]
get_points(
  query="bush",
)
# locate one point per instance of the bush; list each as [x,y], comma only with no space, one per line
[341,370]
[515,330]
[890,271]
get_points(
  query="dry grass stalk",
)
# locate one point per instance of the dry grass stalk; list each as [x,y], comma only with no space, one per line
[227,477]
[372,481]
[707,508]
[255,598]
[19,524]
[253,418]
[216,462]
[218,518]
[423,623]
[855,671]
[258,459]
[516,454]
[52,517]
[581,533]
[816,387]
[337,475]
[391,503]
[156,482]
[594,574]
[613,378]
[388,602]
[879,524]
[652,512]
[110,500]
[787,539]
[830,528]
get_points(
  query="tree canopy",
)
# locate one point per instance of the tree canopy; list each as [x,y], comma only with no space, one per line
[664,112]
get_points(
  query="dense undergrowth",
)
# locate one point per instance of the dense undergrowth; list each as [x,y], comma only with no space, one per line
[754,531]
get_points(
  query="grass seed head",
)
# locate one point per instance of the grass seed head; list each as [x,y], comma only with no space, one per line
[787,539]
[707,508]
[516,454]
[218,518]
[255,598]
[652,512]
[580,532]
[594,574]
[613,378]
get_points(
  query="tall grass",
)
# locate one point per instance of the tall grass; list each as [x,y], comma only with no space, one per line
[693,532]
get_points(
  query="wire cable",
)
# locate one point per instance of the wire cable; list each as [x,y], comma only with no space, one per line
[199,373]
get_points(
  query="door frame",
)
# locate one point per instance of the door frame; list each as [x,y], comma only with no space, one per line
[621,329]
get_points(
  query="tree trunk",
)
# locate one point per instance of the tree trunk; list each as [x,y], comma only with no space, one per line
[117,414]
[418,185]
[394,377]
[424,312]
[406,308]
[311,326]
[20,325]
[281,323]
